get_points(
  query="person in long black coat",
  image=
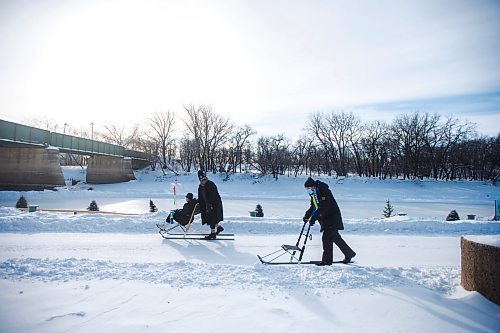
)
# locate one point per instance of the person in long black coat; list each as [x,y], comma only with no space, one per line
[324,208]
[210,205]
[184,214]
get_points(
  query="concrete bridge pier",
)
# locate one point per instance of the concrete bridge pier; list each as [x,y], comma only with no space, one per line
[109,169]
[140,164]
[30,168]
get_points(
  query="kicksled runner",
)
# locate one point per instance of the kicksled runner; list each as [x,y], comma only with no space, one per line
[296,252]
[176,230]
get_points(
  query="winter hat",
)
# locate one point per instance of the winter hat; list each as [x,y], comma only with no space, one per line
[201,174]
[310,182]
[189,196]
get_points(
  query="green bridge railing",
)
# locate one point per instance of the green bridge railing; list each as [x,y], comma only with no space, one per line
[66,143]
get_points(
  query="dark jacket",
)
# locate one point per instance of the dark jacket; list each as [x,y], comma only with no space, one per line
[183,215]
[210,204]
[328,213]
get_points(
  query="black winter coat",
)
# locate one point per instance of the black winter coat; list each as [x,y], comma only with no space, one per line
[328,213]
[183,215]
[210,204]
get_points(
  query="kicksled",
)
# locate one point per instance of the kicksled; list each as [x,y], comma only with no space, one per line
[296,252]
[178,231]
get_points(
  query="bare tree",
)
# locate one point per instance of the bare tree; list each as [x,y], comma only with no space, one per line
[375,148]
[237,144]
[442,140]
[187,153]
[210,131]
[301,154]
[336,132]
[272,155]
[121,136]
[411,132]
[162,128]
[476,159]
[44,122]
[151,148]
[134,137]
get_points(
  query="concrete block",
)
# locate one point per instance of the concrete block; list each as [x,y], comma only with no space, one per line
[481,269]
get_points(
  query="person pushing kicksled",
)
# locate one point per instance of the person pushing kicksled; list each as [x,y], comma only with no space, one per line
[210,205]
[324,208]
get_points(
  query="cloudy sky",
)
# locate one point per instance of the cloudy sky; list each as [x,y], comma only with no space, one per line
[268,64]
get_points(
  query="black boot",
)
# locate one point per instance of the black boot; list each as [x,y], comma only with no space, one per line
[347,259]
[212,235]
[219,230]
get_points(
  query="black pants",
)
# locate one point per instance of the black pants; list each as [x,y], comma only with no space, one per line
[213,224]
[177,217]
[329,237]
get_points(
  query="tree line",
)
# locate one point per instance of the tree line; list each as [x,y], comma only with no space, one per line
[412,146]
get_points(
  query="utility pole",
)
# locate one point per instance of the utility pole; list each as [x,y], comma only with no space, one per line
[92,131]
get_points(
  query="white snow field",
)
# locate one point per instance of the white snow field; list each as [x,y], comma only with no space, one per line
[97,272]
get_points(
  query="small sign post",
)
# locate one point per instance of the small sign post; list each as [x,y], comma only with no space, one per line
[497,210]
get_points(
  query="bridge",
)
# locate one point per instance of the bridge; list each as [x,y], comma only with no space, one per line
[29,158]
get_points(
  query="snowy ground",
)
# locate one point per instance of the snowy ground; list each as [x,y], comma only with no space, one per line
[62,272]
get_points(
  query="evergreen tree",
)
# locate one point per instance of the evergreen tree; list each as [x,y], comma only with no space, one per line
[22,202]
[152,207]
[93,206]
[259,212]
[453,216]
[389,209]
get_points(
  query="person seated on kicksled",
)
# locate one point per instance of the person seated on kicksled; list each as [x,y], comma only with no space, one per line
[182,216]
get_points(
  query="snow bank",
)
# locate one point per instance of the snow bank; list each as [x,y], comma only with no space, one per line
[13,220]
[440,279]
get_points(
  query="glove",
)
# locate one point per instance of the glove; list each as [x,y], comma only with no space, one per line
[312,220]
[305,219]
